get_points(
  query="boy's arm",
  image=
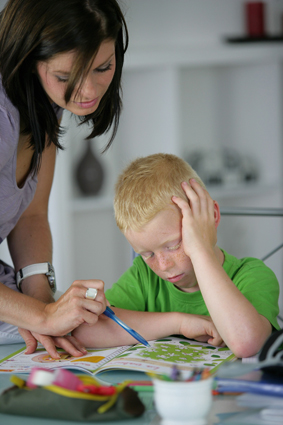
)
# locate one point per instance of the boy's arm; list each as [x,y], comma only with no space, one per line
[107,333]
[242,328]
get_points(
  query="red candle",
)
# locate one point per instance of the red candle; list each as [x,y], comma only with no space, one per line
[255,18]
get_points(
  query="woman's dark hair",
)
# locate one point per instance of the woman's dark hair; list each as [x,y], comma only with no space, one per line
[36,30]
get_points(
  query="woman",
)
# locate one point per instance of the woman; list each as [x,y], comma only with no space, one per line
[54,55]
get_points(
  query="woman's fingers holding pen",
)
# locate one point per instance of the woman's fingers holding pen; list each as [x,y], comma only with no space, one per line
[89,294]
[73,308]
[92,297]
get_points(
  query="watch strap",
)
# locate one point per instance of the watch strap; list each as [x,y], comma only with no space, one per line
[39,268]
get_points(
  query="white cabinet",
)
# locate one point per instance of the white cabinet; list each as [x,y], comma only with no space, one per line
[175,101]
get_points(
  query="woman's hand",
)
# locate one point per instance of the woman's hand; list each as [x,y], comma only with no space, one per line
[72,309]
[68,343]
[67,313]
[198,223]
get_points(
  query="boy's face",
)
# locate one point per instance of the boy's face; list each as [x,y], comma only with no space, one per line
[159,243]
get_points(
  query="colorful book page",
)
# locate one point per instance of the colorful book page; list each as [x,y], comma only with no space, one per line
[158,358]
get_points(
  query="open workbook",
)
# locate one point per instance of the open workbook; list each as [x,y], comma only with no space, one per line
[158,358]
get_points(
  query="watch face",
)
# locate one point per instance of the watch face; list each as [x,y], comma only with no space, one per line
[52,283]
[51,277]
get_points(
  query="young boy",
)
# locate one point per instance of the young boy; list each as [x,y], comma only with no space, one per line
[182,282]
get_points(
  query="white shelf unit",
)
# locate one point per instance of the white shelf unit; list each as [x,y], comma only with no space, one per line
[222,53]
[176,100]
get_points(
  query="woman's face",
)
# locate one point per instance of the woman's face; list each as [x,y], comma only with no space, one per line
[54,74]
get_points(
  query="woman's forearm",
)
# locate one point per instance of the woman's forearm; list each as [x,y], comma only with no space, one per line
[55,319]
[21,310]
[30,243]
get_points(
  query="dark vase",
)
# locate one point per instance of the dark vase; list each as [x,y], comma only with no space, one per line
[89,172]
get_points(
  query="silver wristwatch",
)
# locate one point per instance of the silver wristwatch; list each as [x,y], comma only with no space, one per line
[40,268]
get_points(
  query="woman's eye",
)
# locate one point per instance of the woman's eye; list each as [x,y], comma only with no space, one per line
[106,68]
[173,248]
[62,79]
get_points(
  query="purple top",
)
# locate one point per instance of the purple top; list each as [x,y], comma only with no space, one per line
[13,200]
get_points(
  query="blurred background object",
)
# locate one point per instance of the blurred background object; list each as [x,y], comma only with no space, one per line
[255,18]
[224,166]
[89,172]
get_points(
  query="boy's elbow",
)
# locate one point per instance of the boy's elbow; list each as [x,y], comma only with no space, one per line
[248,345]
[244,349]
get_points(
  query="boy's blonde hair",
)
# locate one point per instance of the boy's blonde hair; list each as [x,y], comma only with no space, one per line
[146,187]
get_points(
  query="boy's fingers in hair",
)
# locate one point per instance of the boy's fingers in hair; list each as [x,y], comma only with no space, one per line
[206,201]
[200,191]
[189,190]
[182,204]
[192,196]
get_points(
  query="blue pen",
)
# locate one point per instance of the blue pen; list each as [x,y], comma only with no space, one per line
[110,313]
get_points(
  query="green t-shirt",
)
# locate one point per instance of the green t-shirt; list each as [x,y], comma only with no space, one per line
[140,289]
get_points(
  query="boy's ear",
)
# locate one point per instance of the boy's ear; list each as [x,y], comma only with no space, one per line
[217,215]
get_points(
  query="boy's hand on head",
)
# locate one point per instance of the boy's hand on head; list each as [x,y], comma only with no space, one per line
[198,223]
[200,328]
